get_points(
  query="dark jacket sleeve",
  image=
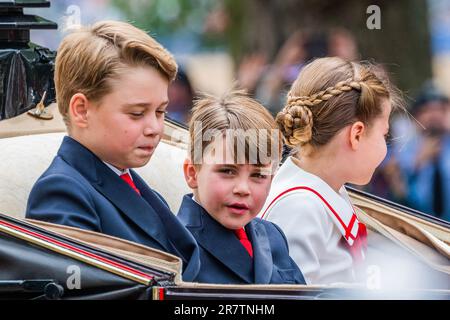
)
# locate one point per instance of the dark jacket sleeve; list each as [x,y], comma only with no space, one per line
[61,199]
[297,273]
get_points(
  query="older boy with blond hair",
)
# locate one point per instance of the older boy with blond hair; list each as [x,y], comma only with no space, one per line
[111,85]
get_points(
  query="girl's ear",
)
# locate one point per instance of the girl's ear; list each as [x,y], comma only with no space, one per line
[357,130]
[190,173]
[78,109]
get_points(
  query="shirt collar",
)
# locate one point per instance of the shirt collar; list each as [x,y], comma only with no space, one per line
[117,171]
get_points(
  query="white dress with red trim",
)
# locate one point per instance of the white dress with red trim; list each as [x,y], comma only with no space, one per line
[315,220]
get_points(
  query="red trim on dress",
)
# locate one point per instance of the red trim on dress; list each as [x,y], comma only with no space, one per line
[348,229]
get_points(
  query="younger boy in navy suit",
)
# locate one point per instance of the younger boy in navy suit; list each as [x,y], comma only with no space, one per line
[234,147]
[111,86]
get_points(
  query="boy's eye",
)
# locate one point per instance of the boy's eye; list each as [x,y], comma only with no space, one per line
[260,175]
[137,114]
[227,171]
[387,137]
[161,112]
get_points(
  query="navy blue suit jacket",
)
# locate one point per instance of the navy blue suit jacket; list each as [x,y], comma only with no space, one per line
[79,190]
[224,259]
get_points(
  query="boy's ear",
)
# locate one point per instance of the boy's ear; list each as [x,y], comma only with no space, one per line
[357,130]
[78,107]
[190,173]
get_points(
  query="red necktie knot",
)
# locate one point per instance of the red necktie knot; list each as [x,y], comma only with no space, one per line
[127,178]
[242,236]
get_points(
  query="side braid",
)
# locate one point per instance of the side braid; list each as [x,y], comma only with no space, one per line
[324,95]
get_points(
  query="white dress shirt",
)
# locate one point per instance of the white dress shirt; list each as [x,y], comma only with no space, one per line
[118,171]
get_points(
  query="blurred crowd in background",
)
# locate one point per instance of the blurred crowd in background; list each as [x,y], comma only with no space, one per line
[202,35]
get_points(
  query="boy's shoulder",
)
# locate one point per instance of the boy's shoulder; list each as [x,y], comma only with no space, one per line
[60,179]
[191,214]
[73,170]
[67,162]
[271,228]
[60,167]
[273,233]
[265,223]
[268,225]
[61,172]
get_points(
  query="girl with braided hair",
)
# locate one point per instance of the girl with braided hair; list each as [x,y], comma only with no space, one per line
[336,119]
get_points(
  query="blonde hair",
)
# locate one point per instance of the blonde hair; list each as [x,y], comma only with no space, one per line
[328,95]
[89,58]
[237,112]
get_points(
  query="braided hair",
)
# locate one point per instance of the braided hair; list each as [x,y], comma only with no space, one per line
[329,94]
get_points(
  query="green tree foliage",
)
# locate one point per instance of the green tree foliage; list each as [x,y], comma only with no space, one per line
[402,43]
[165,17]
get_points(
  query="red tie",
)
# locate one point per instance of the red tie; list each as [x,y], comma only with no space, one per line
[126,177]
[242,236]
[360,244]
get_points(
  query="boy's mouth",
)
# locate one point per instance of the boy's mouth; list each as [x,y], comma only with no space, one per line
[147,148]
[238,208]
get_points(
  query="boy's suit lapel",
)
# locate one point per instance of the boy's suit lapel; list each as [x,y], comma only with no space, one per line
[217,240]
[187,250]
[115,189]
[262,253]
[134,206]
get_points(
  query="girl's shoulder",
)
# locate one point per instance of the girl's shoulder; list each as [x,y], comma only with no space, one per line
[297,194]
[296,204]
[293,194]
[299,215]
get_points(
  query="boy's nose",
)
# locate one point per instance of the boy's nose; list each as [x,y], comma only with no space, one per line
[153,126]
[241,187]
